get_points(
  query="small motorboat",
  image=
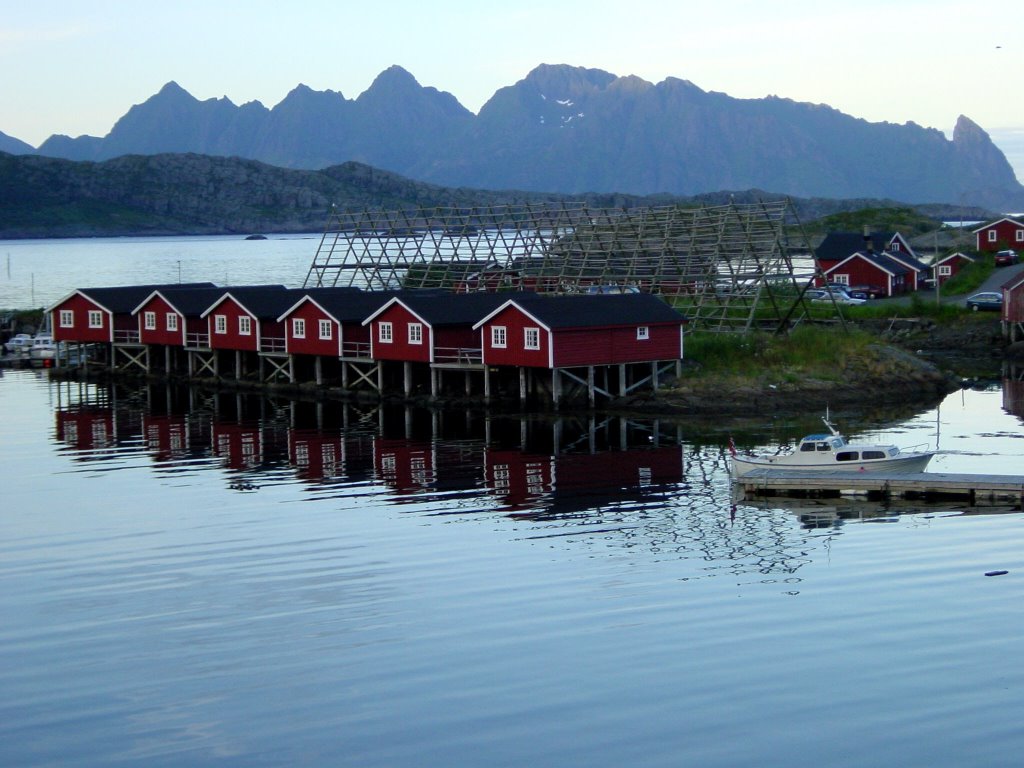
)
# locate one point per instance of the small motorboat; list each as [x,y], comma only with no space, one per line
[43,348]
[831,452]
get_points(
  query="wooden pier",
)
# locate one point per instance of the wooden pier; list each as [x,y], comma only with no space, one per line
[975,489]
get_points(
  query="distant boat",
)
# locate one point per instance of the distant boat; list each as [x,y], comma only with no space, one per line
[256,237]
[832,453]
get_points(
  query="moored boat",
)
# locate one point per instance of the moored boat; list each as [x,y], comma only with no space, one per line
[831,452]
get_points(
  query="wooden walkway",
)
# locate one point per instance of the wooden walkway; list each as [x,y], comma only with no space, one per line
[927,486]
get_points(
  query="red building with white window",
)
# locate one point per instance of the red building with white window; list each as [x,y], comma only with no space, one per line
[570,331]
[103,315]
[1000,235]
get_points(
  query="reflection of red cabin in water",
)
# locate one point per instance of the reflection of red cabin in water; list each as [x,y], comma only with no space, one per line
[316,455]
[239,446]
[403,465]
[166,436]
[86,429]
[519,478]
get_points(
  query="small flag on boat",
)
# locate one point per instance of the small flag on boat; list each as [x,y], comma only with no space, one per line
[732,446]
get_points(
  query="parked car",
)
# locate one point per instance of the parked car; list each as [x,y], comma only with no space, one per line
[990,300]
[828,295]
[1006,258]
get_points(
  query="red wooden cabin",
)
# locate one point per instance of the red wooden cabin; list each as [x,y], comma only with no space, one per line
[947,267]
[571,331]
[246,318]
[999,235]
[429,327]
[103,315]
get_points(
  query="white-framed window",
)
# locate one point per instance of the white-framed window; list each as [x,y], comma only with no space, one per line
[643,333]
[67,318]
[326,332]
[244,325]
[945,270]
[415,333]
[172,321]
[384,331]
[992,235]
[531,338]
[149,320]
[298,328]
[499,336]
[840,278]
[1020,235]
[95,318]
[220,323]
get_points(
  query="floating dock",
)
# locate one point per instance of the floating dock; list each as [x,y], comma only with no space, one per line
[926,486]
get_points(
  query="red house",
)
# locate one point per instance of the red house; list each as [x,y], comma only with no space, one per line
[570,331]
[1013,307]
[174,316]
[246,318]
[885,275]
[429,327]
[948,266]
[103,315]
[329,322]
[1000,235]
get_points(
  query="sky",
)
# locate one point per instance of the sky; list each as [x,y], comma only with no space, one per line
[75,66]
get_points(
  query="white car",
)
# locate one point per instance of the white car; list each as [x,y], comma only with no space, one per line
[19,343]
[828,295]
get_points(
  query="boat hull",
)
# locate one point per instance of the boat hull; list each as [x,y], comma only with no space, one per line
[907,462]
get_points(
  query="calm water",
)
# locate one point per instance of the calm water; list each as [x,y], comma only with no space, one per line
[197,580]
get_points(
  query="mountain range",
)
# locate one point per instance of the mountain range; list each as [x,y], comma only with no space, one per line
[572,130]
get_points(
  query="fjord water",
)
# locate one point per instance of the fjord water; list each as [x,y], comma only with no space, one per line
[198,579]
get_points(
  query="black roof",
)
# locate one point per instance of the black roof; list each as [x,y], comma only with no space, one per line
[123,299]
[838,245]
[884,261]
[459,308]
[601,310]
[266,302]
[352,305]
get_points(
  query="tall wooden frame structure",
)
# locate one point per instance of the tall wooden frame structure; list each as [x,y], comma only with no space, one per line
[727,267]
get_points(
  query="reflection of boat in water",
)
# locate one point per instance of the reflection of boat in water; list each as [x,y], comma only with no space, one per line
[831,452]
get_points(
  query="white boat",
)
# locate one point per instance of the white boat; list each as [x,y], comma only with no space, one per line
[832,453]
[18,343]
[43,348]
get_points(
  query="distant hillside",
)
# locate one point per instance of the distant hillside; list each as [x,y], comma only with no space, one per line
[573,130]
[197,194]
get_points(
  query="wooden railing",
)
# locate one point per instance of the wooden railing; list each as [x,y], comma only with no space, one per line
[197,340]
[458,355]
[356,349]
[273,344]
[126,337]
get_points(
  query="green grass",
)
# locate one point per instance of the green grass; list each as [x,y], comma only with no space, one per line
[808,350]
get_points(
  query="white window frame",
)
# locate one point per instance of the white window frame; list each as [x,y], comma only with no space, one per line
[220,324]
[149,320]
[643,333]
[172,321]
[415,333]
[499,336]
[385,332]
[945,270]
[95,318]
[298,328]
[244,325]
[992,236]
[67,318]
[531,337]
[1020,235]
[326,330]
[841,278]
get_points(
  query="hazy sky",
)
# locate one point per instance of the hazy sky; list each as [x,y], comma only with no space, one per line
[75,67]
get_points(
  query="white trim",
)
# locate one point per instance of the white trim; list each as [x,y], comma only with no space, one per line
[298,328]
[499,337]
[414,333]
[535,332]
[67,318]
